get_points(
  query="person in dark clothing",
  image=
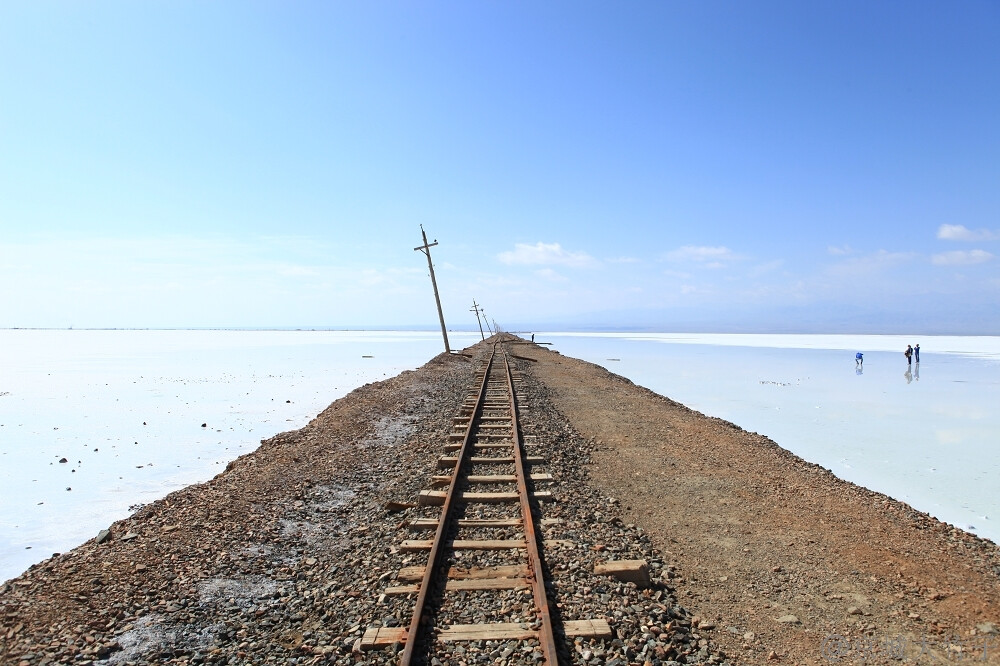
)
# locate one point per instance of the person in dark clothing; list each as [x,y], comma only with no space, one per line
[916,352]
[908,354]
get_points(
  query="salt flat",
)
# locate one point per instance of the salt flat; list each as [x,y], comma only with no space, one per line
[927,435]
[125,410]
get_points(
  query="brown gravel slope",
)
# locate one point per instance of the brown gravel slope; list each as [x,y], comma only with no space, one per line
[759,535]
[286,556]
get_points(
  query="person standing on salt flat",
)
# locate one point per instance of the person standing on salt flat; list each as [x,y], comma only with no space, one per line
[908,354]
[859,359]
[916,352]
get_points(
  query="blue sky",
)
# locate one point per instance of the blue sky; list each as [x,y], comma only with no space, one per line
[765,166]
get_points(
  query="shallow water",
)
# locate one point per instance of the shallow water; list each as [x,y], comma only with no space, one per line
[125,410]
[927,434]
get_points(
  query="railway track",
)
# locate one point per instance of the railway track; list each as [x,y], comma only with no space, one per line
[484,511]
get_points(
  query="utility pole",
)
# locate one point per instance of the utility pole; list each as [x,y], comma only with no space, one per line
[475,308]
[487,320]
[426,249]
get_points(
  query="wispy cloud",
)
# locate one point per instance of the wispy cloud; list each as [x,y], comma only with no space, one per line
[839,250]
[766,267]
[298,271]
[709,257]
[551,275]
[870,263]
[624,260]
[700,253]
[959,232]
[961,258]
[545,254]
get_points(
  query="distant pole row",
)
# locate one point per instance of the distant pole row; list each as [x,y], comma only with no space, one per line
[426,249]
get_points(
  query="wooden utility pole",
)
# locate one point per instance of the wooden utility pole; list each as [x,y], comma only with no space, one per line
[475,308]
[426,249]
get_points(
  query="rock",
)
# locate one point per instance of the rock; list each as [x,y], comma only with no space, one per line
[987,628]
[63,460]
[105,650]
[773,656]
[854,610]
[787,619]
[129,536]
[633,571]
[103,536]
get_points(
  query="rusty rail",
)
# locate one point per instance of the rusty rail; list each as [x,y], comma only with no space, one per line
[546,636]
[444,522]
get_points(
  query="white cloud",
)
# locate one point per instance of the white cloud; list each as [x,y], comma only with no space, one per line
[841,251]
[298,271]
[959,232]
[710,256]
[867,264]
[550,275]
[624,260]
[545,254]
[766,267]
[961,258]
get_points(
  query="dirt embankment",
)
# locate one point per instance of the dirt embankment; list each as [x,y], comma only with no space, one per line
[792,564]
[757,556]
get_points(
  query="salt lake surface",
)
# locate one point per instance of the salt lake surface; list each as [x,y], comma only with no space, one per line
[126,408]
[926,434]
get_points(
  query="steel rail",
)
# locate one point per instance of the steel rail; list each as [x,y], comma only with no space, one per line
[546,636]
[413,633]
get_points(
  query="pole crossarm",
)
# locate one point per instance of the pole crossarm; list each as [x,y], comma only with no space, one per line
[475,308]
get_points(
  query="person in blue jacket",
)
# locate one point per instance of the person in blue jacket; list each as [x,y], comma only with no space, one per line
[859,359]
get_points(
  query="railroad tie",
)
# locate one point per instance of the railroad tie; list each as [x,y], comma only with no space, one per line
[486,431]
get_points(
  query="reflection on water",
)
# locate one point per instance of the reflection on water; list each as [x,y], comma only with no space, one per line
[931,443]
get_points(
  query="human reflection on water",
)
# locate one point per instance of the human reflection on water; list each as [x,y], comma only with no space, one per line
[859,370]
[908,375]
[916,371]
